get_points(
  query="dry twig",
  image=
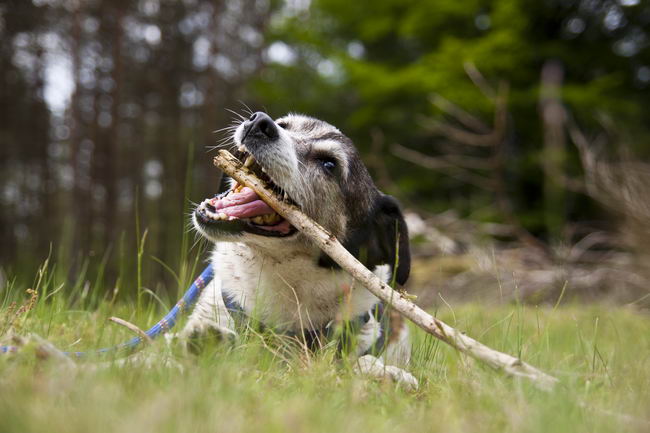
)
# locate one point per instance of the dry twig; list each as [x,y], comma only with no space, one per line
[331,246]
[132,328]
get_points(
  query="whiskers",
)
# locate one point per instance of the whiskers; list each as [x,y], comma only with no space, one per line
[246,108]
[227,133]
[189,225]
[199,240]
[223,143]
[227,136]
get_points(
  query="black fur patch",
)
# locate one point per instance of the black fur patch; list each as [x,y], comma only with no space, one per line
[382,239]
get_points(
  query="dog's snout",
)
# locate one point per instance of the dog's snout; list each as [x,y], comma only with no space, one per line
[261,125]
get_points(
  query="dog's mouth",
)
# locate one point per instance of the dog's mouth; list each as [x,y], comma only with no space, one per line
[241,209]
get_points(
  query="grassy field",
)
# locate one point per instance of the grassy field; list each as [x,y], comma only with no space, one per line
[266,384]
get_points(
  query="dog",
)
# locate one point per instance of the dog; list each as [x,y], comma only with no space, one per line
[267,270]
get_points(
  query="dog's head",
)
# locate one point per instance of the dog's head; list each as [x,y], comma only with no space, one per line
[318,168]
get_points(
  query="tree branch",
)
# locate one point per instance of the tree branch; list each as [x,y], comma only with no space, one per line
[452,169]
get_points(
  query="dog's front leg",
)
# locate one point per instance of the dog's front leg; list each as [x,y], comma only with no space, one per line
[397,352]
[369,365]
[210,317]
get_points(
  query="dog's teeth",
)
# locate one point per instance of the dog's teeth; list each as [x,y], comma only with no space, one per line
[222,216]
[258,220]
[241,148]
[286,196]
[249,161]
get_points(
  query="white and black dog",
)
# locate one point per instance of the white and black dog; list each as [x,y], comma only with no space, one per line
[266,269]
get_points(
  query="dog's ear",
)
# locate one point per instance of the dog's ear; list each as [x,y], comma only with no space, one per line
[389,241]
[380,240]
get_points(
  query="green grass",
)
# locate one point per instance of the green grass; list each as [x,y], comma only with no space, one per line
[263,384]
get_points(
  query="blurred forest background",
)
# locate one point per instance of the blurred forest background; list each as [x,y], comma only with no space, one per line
[515,132]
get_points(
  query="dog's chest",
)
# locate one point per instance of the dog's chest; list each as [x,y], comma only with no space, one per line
[288,291]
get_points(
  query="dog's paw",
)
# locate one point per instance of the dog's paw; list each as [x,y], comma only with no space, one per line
[198,332]
[369,365]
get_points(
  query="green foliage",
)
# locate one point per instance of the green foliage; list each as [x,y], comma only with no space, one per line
[374,67]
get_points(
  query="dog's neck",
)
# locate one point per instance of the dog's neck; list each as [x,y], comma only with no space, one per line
[270,285]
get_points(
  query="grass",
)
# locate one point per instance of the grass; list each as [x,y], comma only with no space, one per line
[267,384]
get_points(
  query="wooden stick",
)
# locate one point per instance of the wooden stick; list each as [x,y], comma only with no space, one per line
[331,246]
[132,328]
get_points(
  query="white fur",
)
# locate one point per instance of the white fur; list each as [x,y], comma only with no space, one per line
[288,292]
[284,289]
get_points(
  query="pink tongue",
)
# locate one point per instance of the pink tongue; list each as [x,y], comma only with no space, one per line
[284,227]
[243,204]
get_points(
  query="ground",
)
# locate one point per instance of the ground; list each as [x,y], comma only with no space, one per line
[268,384]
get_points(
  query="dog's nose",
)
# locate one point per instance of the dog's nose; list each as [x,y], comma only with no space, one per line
[261,125]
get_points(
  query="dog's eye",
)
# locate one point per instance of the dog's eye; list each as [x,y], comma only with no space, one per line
[282,125]
[328,164]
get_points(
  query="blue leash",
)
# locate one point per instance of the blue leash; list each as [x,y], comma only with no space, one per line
[164,325]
